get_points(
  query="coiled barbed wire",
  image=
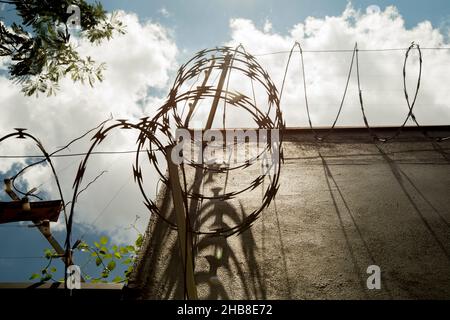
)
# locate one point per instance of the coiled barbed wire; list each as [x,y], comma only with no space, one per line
[21,134]
[302,64]
[244,63]
[410,104]
[160,124]
[355,59]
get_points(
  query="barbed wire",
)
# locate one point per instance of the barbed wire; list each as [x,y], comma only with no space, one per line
[346,51]
[152,132]
[70,155]
[21,134]
[302,63]
[355,59]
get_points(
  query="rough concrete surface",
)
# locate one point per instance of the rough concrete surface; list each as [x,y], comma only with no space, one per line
[343,204]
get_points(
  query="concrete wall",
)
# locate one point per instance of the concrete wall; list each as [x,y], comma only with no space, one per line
[343,204]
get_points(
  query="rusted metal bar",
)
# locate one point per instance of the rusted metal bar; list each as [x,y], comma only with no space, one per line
[184,236]
[219,89]
[194,104]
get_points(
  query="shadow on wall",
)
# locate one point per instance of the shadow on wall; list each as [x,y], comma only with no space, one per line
[220,271]
[401,177]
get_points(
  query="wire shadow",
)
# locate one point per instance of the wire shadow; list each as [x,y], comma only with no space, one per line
[397,172]
[283,253]
[161,268]
[352,217]
[425,198]
[356,267]
[220,255]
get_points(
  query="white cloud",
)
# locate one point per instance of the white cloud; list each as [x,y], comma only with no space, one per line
[381,72]
[164,12]
[267,26]
[142,58]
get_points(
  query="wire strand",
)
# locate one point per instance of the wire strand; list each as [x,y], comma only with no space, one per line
[346,50]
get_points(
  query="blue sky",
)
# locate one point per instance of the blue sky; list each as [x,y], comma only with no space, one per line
[198,23]
[192,25]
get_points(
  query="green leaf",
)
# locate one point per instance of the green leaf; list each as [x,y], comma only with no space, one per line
[52,269]
[123,250]
[98,262]
[48,253]
[128,271]
[96,244]
[117,279]
[35,276]
[83,246]
[127,261]
[103,240]
[111,265]
[139,241]
[117,255]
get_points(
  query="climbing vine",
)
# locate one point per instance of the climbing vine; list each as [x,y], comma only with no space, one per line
[106,257]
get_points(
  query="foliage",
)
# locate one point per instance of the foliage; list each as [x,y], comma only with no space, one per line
[40,51]
[106,257]
[47,273]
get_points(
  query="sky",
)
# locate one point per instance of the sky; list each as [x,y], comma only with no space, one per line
[141,66]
